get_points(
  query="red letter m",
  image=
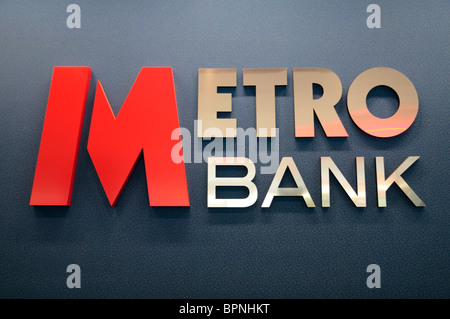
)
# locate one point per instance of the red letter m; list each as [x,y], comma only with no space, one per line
[144,123]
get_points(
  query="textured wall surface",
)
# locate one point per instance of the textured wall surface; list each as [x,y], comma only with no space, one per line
[286,251]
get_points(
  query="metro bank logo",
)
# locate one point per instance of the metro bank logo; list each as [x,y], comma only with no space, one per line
[148,119]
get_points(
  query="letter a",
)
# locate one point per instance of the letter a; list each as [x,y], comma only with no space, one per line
[374,280]
[73,20]
[74,280]
[373,20]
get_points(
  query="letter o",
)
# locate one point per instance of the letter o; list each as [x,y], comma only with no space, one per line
[366,121]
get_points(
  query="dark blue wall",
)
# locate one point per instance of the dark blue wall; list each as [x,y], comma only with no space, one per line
[287,251]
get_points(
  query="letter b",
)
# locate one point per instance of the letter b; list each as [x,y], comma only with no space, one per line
[246,181]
